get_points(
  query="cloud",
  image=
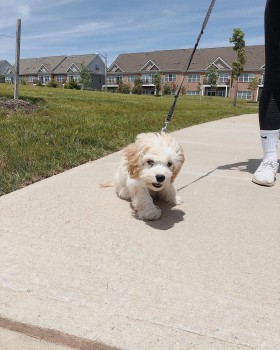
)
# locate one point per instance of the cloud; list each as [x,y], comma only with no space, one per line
[23,11]
[168,12]
[86,29]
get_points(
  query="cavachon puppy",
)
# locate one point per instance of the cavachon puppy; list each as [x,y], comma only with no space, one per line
[148,169]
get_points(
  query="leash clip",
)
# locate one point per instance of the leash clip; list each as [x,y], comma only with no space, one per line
[164,129]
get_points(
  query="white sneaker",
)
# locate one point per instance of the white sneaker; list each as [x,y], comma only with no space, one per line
[266,173]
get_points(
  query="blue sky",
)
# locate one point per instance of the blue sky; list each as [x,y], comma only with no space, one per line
[72,27]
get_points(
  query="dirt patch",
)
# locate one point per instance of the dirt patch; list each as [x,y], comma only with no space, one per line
[14,105]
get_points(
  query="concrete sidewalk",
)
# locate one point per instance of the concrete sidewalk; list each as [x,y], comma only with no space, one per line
[79,271]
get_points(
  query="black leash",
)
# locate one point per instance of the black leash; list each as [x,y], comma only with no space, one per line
[170,113]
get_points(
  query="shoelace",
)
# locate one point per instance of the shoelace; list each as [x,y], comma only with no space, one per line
[268,164]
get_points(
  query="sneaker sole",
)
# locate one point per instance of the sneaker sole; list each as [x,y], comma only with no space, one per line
[266,184]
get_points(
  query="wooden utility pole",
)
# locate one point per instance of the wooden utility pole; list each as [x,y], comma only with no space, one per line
[18,35]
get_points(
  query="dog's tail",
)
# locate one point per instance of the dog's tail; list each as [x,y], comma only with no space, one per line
[107,184]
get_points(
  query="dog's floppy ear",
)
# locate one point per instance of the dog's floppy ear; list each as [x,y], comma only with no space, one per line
[131,154]
[180,158]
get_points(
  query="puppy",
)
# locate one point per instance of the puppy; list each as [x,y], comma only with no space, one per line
[148,169]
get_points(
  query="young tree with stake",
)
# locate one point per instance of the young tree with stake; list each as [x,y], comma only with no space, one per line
[237,66]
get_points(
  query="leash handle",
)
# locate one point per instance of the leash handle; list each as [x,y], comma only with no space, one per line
[172,108]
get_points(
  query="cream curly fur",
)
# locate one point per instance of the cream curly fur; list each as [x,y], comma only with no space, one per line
[147,169]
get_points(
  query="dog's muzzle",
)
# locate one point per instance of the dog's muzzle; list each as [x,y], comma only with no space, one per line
[159,178]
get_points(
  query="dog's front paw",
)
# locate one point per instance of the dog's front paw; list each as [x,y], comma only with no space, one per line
[178,200]
[124,193]
[174,200]
[149,213]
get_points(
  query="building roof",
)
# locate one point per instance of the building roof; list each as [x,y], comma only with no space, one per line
[3,65]
[2,62]
[77,60]
[177,60]
[52,64]
[29,66]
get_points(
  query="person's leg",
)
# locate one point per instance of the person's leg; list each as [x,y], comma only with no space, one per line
[269,111]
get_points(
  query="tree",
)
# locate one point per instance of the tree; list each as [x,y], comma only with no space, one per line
[237,66]
[157,82]
[123,88]
[137,89]
[253,85]
[166,89]
[85,77]
[212,77]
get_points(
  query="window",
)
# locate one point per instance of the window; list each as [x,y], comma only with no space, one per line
[244,95]
[131,78]
[148,92]
[45,79]
[96,66]
[246,77]
[60,78]
[221,93]
[73,77]
[223,77]
[193,93]
[31,79]
[114,79]
[193,78]
[147,78]
[170,77]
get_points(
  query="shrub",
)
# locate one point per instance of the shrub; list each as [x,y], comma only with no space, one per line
[72,84]
[123,88]
[52,84]
[167,89]
[38,83]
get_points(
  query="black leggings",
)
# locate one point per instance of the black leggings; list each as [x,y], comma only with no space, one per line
[269,110]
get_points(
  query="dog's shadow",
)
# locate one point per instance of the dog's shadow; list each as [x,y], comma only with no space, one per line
[249,167]
[170,215]
[173,214]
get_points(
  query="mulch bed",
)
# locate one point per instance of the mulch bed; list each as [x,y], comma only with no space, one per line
[14,105]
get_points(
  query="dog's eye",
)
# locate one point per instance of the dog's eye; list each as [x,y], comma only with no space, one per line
[169,164]
[151,162]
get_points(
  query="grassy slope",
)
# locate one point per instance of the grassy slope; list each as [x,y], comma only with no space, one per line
[72,127]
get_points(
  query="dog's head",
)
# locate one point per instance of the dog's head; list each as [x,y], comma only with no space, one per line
[155,158]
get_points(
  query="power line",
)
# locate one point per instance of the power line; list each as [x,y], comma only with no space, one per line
[7,36]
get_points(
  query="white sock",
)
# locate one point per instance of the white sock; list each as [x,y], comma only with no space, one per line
[269,144]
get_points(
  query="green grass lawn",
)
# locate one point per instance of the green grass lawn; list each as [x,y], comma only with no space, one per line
[71,127]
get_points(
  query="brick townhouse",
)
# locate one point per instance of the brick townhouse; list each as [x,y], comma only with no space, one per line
[171,64]
[3,66]
[58,68]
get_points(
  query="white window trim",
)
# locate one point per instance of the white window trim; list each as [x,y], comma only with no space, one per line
[193,78]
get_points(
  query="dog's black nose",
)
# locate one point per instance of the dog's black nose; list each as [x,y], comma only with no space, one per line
[160,178]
